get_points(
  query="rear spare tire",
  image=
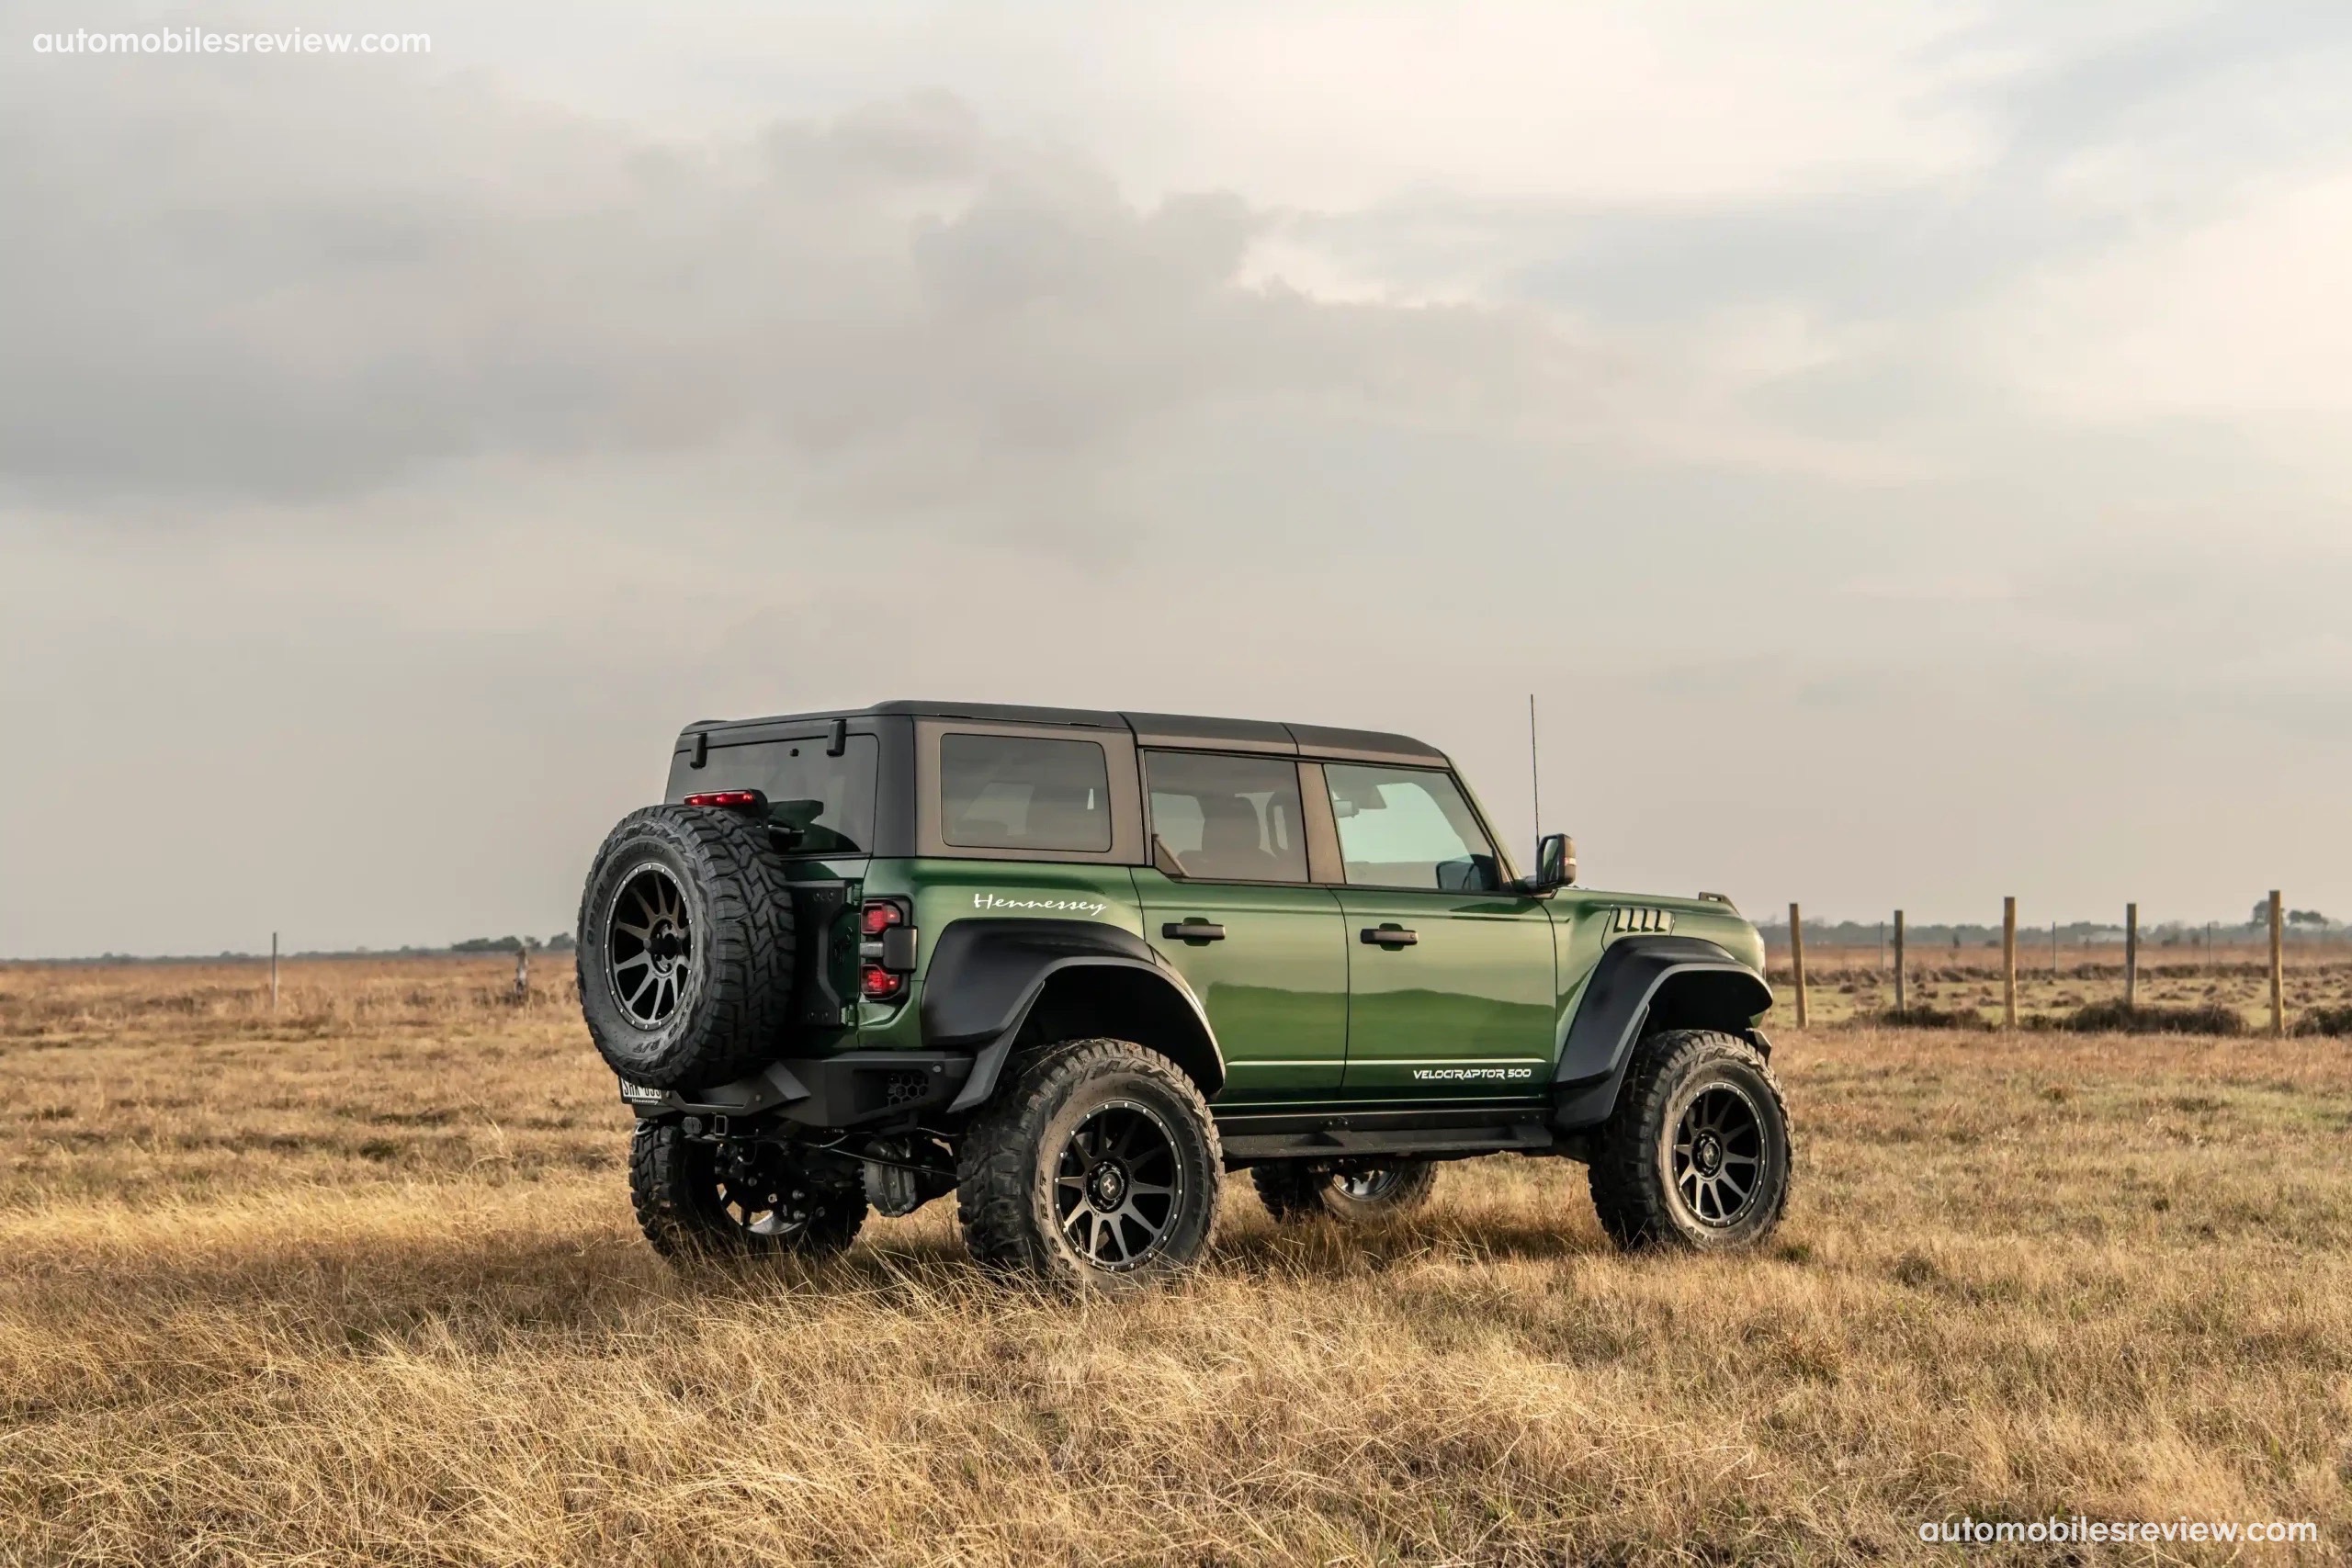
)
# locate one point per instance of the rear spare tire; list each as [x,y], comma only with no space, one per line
[686,947]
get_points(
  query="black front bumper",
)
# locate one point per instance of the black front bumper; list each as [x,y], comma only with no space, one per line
[852,1089]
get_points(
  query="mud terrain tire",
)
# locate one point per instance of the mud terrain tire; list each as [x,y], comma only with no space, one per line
[1696,1154]
[1098,1168]
[698,1200]
[686,947]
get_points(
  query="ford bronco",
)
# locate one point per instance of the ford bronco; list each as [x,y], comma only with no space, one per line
[1075,966]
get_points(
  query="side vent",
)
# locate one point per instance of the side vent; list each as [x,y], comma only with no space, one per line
[1630,917]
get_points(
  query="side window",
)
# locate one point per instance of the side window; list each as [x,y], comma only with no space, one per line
[1010,792]
[1410,827]
[1227,818]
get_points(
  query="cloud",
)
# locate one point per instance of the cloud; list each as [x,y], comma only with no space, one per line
[2238,320]
[1931,399]
[916,314]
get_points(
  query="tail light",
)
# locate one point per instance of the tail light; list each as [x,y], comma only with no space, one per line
[887,953]
[732,799]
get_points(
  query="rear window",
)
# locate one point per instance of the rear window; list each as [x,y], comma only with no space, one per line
[825,805]
[1012,791]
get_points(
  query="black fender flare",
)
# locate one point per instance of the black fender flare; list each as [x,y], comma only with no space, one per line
[986,975]
[1703,984]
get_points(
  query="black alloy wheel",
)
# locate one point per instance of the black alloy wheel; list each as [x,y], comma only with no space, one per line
[1696,1154]
[704,1198]
[1718,1155]
[755,1188]
[648,945]
[686,947]
[1097,1167]
[1117,1184]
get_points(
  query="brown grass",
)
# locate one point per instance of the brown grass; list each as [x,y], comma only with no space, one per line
[1844,985]
[357,1283]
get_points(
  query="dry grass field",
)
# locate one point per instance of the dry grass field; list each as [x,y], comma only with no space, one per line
[1845,983]
[356,1283]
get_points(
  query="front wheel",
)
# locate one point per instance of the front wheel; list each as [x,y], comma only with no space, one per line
[1098,1168]
[1696,1154]
[701,1199]
[1353,1193]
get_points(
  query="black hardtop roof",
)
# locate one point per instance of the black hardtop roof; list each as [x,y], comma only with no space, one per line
[1150,729]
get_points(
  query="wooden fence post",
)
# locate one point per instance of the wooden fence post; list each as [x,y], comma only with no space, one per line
[273,971]
[1796,957]
[1902,1002]
[2277,964]
[2008,963]
[2131,956]
[522,970]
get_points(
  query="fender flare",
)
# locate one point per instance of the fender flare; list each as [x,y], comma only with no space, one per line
[1717,989]
[986,975]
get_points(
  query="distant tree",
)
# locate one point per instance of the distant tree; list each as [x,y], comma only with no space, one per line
[2305,918]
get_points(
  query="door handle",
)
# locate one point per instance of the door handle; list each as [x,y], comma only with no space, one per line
[1193,930]
[1390,936]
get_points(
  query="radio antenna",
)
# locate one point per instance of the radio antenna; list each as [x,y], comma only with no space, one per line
[1534,770]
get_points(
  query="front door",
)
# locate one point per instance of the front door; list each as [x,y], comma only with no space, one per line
[1450,976]
[1264,951]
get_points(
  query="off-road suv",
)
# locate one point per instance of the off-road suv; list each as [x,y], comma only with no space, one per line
[1075,966]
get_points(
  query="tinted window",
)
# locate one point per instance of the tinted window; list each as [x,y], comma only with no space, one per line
[825,803]
[1227,818]
[1408,827]
[1008,792]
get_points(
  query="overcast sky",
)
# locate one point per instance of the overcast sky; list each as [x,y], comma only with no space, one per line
[1906,449]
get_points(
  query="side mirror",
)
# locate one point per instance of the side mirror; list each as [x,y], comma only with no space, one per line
[1555,864]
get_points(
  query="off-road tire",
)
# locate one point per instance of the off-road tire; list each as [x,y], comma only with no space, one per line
[1010,1176]
[1298,1191]
[734,982]
[682,1204]
[1635,1191]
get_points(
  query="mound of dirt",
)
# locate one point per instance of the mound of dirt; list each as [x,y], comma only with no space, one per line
[2325,1020]
[2115,1018]
[1920,1015]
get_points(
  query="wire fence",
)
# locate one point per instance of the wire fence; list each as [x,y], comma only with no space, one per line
[1958,975]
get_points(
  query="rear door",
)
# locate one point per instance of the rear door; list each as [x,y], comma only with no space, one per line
[1263,948]
[1451,975]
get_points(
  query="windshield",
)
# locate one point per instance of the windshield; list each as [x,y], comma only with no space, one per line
[825,805]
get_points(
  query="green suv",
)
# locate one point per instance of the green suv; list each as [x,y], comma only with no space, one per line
[1075,966]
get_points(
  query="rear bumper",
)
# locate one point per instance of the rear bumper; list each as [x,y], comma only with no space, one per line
[852,1089]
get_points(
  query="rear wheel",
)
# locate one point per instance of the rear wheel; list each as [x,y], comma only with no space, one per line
[1696,1154]
[1355,1192]
[696,1198]
[1100,1167]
